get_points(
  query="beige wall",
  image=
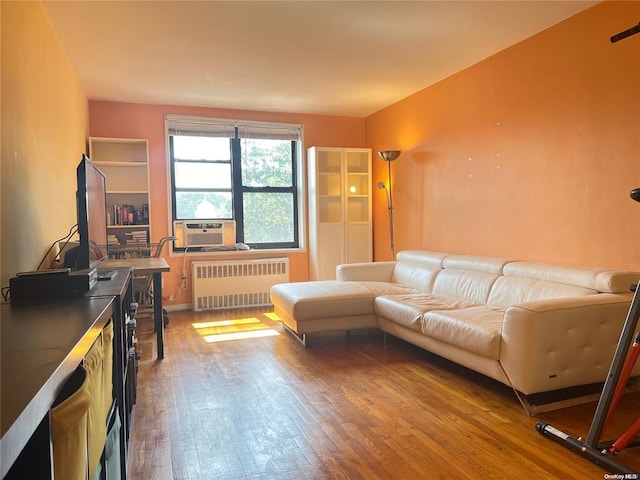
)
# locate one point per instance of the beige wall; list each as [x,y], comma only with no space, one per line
[529,154]
[44,129]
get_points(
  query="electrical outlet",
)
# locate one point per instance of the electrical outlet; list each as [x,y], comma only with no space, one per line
[171,298]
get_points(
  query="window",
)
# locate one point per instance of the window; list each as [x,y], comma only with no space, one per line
[241,171]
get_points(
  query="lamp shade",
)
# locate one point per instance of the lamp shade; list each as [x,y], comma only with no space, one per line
[389,155]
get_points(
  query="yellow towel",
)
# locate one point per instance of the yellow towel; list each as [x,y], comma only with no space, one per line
[69,429]
[107,349]
[96,420]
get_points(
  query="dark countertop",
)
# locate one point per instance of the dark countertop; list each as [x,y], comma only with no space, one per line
[41,344]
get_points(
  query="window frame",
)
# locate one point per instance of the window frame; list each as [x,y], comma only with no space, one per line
[297,189]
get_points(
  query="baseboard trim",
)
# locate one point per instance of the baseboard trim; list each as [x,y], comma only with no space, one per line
[177,307]
[569,397]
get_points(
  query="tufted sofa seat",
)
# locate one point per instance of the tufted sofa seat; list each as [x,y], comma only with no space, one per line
[535,327]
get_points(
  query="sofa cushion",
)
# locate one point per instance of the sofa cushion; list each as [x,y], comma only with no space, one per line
[600,279]
[330,298]
[423,258]
[418,269]
[475,329]
[407,310]
[420,277]
[515,290]
[476,263]
[467,284]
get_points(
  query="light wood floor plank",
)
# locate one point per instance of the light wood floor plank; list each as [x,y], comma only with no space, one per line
[266,408]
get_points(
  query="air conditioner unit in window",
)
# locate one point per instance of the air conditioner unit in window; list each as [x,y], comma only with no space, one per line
[200,233]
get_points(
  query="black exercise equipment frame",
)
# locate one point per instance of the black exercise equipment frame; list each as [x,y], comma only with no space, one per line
[591,449]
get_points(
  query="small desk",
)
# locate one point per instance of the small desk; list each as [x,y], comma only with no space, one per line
[148,266]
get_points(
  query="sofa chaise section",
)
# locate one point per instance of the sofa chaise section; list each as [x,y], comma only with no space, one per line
[323,306]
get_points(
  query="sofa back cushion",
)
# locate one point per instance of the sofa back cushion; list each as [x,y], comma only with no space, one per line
[468,276]
[593,278]
[418,269]
[527,282]
[467,284]
[492,265]
[510,290]
[500,282]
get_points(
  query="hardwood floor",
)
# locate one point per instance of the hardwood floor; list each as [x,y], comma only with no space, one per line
[263,407]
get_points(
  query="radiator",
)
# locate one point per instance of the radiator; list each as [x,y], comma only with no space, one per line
[236,284]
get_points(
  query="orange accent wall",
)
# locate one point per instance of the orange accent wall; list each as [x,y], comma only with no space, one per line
[529,154]
[112,119]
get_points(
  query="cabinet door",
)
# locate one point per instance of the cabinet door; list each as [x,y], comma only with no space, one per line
[331,250]
[329,190]
[358,243]
[357,185]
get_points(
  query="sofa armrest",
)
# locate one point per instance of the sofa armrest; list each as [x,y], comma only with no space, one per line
[369,271]
[558,343]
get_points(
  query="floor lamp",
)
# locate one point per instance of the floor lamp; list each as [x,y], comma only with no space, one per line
[389,156]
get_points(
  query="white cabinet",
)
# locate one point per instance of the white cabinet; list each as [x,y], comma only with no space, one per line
[339,209]
[124,162]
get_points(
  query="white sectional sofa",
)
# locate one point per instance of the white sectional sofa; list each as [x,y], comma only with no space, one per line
[535,327]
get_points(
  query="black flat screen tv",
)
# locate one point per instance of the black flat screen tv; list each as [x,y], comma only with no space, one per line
[91,204]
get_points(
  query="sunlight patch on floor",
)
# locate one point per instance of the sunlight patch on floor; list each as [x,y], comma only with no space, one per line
[233,329]
[226,323]
[225,337]
[273,316]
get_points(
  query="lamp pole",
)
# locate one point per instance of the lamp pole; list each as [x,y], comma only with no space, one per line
[389,156]
[390,206]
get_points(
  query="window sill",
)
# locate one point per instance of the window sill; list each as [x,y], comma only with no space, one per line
[264,253]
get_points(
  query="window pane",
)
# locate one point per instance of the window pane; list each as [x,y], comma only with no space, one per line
[268,217]
[266,163]
[201,148]
[203,175]
[203,205]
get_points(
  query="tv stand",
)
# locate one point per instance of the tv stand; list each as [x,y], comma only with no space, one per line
[42,344]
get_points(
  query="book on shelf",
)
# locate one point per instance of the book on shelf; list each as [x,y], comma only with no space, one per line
[136,237]
[145,213]
[127,214]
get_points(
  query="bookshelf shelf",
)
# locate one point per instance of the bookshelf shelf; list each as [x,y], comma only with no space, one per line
[129,226]
[132,164]
[127,192]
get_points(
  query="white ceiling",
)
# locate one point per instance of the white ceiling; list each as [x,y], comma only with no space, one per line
[325,57]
